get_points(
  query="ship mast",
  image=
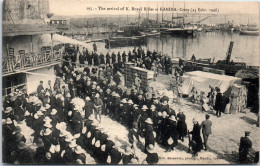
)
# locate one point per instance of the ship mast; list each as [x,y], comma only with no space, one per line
[162,14]
[184,14]
[157,17]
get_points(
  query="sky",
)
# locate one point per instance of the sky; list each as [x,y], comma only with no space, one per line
[91,7]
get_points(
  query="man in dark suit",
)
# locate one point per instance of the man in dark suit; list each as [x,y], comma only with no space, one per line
[40,87]
[148,135]
[218,103]
[244,147]
[206,129]
[152,157]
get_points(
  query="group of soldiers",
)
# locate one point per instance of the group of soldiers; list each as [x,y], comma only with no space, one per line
[64,135]
[149,60]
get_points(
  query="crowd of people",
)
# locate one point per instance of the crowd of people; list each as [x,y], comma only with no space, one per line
[65,134]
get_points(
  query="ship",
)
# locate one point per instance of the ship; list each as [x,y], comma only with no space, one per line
[250,33]
[125,41]
[227,65]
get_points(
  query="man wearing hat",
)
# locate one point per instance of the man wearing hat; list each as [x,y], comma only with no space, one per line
[128,155]
[98,103]
[181,125]
[89,107]
[40,87]
[40,152]
[8,113]
[172,133]
[108,57]
[152,157]
[143,117]
[116,103]
[76,122]
[196,137]
[219,102]
[148,134]
[206,129]
[244,147]
[23,154]
[137,82]
[140,100]
[164,128]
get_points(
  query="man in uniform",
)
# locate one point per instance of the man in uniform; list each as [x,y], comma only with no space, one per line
[245,145]
[124,57]
[206,130]
[98,105]
[113,58]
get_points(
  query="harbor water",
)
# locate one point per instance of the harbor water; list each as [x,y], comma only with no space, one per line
[212,45]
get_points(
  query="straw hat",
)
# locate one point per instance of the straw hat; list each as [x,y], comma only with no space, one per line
[150,148]
[8,110]
[47,119]
[128,150]
[79,150]
[93,141]
[87,98]
[69,137]
[165,102]
[9,121]
[68,95]
[164,114]
[47,106]
[47,131]
[63,133]
[124,101]
[130,102]
[89,134]
[27,113]
[22,145]
[53,112]
[77,135]
[97,95]
[172,118]
[113,93]
[144,107]
[97,144]
[117,95]
[52,149]
[149,121]
[133,161]
[36,116]
[103,148]
[39,113]
[170,141]
[73,144]
[48,124]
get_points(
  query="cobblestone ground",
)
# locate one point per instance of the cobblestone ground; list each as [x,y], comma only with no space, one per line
[226,130]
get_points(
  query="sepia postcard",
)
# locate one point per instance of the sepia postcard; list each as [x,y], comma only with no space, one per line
[130,82]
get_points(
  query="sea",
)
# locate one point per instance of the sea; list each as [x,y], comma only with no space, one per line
[212,45]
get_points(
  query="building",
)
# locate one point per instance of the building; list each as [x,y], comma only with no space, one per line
[18,10]
[28,53]
[59,22]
